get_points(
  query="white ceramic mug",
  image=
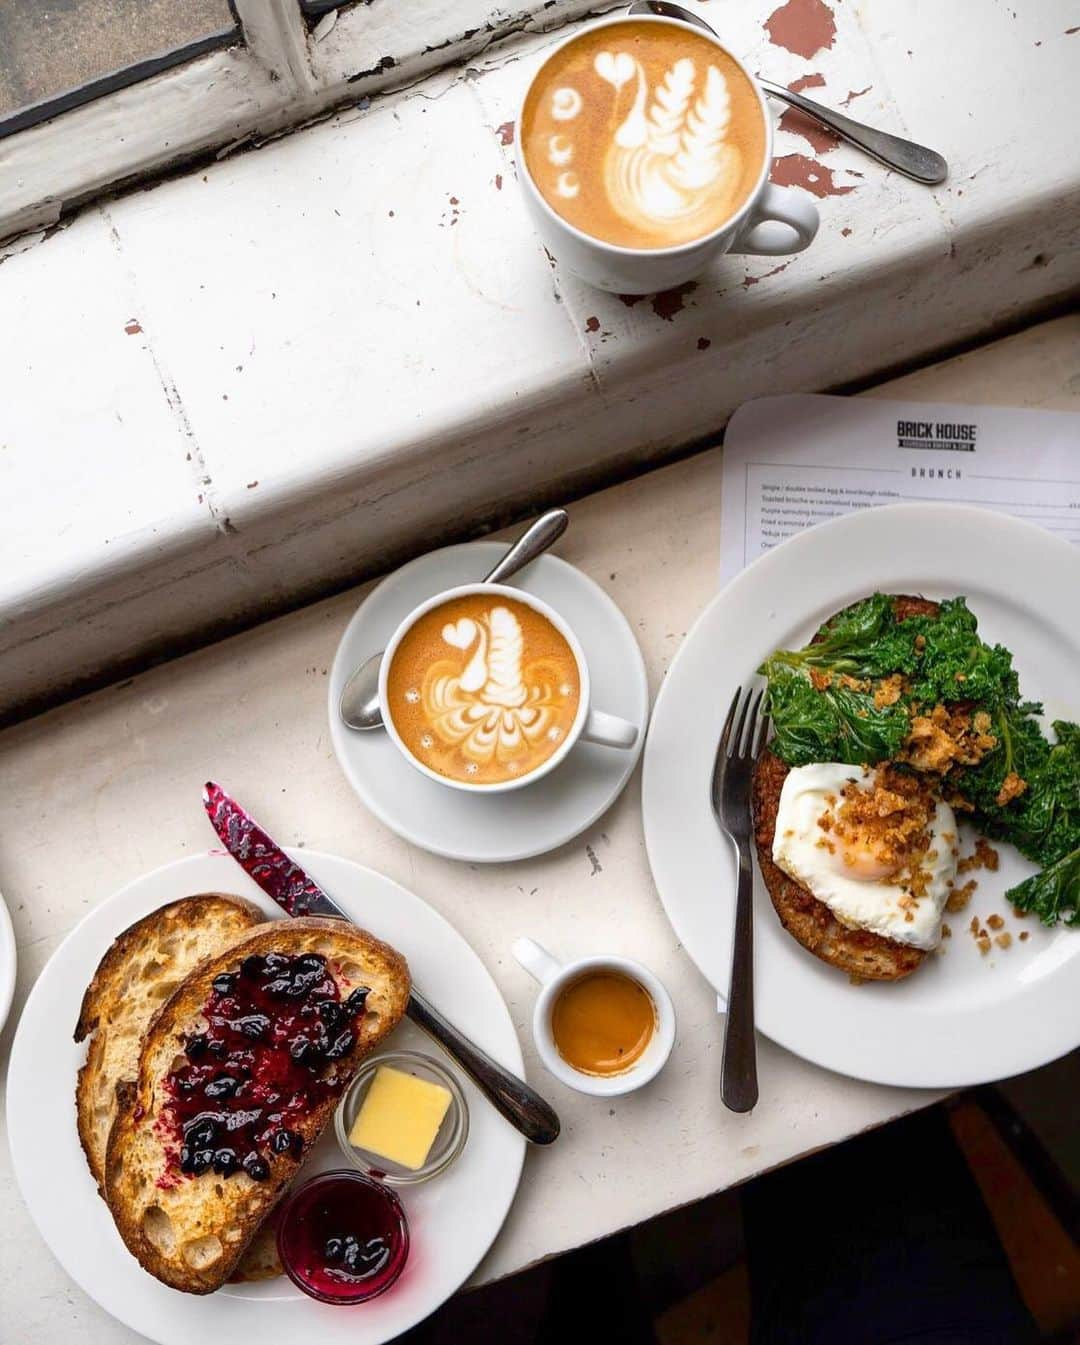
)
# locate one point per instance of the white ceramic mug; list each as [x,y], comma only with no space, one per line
[593,726]
[554,977]
[772,222]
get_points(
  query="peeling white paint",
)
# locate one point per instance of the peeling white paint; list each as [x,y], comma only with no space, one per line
[391,368]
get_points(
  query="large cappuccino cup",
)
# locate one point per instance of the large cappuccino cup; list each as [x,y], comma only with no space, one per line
[667,134]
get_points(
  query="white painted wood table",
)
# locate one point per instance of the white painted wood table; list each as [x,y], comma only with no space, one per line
[96,792]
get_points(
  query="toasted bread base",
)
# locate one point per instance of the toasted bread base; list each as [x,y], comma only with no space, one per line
[860,953]
[192,1232]
[140,970]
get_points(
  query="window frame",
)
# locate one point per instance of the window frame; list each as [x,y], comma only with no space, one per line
[283,70]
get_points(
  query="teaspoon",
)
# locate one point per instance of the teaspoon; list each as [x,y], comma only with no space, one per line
[914,161]
[359,704]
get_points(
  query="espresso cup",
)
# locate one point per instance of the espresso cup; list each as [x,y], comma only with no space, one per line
[496,698]
[554,978]
[771,221]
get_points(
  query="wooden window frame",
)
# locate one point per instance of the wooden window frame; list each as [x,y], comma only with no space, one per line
[286,69]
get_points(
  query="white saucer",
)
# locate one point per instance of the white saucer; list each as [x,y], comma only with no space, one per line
[526,822]
[7,963]
[453,1219]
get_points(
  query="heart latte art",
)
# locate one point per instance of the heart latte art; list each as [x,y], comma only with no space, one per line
[482,689]
[645,135]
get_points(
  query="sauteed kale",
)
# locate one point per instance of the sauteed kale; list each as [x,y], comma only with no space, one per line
[873,688]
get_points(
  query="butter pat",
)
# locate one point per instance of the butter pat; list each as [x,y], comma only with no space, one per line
[400,1117]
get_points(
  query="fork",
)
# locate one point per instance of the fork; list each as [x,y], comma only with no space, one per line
[741,741]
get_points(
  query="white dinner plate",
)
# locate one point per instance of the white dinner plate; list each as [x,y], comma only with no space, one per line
[7,963]
[494,828]
[453,1219]
[962,1018]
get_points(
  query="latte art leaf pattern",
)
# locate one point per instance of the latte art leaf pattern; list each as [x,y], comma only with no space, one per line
[497,708]
[669,164]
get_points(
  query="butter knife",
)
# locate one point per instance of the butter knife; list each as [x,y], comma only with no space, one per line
[297,893]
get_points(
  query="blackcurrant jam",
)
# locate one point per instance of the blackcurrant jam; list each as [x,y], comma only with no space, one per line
[264,1060]
[342,1237]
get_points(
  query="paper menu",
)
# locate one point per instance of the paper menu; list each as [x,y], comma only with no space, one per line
[793,461]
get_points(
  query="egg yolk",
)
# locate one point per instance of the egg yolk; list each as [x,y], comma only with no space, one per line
[856,858]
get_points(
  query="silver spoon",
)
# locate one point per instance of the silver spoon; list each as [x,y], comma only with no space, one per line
[359,704]
[914,161]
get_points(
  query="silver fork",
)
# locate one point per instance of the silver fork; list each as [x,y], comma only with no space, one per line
[745,731]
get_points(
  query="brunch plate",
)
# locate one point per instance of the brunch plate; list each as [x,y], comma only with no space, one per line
[501,827]
[963,1017]
[7,963]
[453,1219]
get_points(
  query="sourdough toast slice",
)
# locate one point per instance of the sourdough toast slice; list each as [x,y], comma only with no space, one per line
[140,970]
[239,1073]
[858,952]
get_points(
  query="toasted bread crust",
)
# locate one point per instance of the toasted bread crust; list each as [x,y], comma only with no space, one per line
[191,1233]
[124,995]
[858,952]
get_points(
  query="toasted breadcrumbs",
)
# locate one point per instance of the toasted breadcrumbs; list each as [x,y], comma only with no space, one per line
[1024,936]
[995,922]
[1011,788]
[984,856]
[888,691]
[1020,915]
[946,932]
[944,738]
[1003,940]
[983,943]
[960,896]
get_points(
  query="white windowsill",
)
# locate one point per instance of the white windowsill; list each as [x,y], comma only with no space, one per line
[247,385]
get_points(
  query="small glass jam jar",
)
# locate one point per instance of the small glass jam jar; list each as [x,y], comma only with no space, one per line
[342,1237]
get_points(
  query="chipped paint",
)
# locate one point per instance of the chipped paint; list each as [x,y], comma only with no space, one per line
[797,170]
[703,343]
[669,302]
[798,123]
[498,182]
[818,137]
[845,233]
[505,132]
[754,280]
[592,324]
[853,94]
[132,327]
[804,27]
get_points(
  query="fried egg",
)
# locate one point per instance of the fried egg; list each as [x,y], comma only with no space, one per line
[861,887]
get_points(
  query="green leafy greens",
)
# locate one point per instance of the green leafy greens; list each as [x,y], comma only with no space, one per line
[826,705]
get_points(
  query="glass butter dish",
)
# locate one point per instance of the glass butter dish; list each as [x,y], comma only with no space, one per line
[449,1138]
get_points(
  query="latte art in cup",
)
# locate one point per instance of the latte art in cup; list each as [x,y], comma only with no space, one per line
[482,689]
[643,135]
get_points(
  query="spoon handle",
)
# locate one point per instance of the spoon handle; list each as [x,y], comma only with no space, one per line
[547,529]
[914,161]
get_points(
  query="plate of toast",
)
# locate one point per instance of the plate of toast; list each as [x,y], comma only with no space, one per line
[173,1241]
[915,814]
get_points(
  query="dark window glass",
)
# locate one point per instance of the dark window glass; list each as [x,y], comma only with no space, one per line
[55,54]
[315,8]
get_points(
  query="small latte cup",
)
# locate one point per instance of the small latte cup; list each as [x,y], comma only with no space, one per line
[772,222]
[590,725]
